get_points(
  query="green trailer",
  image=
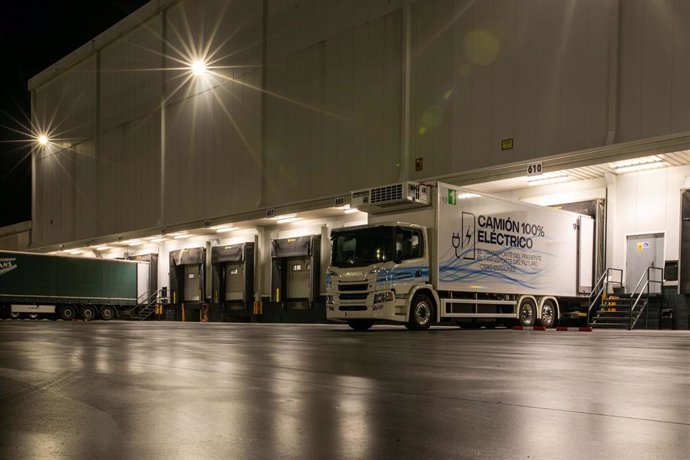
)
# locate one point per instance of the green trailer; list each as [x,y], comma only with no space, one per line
[65,287]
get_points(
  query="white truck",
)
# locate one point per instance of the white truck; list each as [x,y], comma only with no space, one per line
[434,253]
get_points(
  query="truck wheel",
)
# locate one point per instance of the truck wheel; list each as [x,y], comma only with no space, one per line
[33,315]
[15,315]
[68,313]
[549,314]
[421,313]
[107,313]
[360,324]
[528,312]
[88,312]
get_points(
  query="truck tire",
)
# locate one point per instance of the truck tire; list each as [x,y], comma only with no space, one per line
[549,314]
[107,313]
[68,313]
[88,312]
[527,312]
[421,313]
[360,324]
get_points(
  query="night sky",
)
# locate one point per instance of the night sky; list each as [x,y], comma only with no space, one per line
[33,35]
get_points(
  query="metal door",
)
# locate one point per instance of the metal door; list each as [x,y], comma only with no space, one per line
[234,281]
[642,252]
[298,278]
[192,283]
[143,280]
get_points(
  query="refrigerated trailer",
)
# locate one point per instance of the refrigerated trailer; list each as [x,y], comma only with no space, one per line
[68,287]
[437,253]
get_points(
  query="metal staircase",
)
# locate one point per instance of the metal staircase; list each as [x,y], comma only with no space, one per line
[146,305]
[611,308]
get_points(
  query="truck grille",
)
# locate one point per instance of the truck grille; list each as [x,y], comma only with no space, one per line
[352,287]
[354,296]
[353,308]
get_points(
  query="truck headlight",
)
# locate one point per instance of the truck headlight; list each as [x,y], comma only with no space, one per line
[387,296]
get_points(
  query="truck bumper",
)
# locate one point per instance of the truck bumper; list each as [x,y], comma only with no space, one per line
[379,312]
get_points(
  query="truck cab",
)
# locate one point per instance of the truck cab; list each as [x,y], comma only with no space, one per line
[374,272]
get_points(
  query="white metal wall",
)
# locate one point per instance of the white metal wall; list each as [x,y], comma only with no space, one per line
[337,126]
[554,76]
[483,71]
[655,64]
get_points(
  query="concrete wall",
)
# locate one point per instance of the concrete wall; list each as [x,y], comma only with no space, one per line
[353,92]
[15,237]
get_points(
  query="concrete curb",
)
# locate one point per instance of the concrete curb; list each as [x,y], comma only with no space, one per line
[559,328]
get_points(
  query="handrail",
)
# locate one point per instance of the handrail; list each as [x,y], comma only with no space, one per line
[646,286]
[598,294]
[645,272]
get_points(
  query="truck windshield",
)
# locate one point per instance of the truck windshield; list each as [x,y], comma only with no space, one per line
[359,248]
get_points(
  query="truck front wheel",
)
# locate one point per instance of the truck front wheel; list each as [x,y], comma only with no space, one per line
[421,313]
[68,312]
[528,312]
[360,324]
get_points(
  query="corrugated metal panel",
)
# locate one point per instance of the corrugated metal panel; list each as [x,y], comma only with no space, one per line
[655,99]
[128,174]
[295,25]
[338,110]
[524,70]
[233,154]
[130,75]
[66,106]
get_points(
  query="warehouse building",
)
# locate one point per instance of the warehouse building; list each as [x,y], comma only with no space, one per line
[220,139]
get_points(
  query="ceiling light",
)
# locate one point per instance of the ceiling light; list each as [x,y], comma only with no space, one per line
[467,196]
[181,237]
[222,228]
[134,243]
[638,164]
[548,178]
[287,220]
[351,211]
[75,251]
[284,216]
[102,248]
[184,232]
[158,240]
[343,208]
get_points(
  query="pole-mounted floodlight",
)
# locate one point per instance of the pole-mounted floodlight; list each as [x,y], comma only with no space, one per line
[198,67]
[43,139]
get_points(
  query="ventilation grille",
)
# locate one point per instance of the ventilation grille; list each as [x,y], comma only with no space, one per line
[388,198]
[386,194]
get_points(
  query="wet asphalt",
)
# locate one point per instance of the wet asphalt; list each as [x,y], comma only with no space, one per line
[234,391]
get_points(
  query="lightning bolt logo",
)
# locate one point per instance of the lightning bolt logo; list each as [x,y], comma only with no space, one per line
[468,235]
[468,224]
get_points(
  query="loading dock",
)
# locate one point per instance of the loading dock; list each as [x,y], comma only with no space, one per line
[295,274]
[187,275]
[233,279]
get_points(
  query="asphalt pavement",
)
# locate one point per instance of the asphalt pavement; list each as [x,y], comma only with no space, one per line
[233,391]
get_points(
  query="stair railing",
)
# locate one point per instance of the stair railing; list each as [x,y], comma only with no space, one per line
[645,289]
[145,301]
[602,287]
